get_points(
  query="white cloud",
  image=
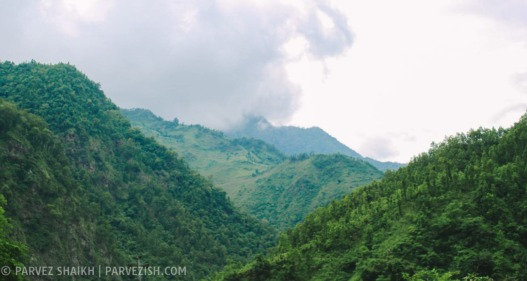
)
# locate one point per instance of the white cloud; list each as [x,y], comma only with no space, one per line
[426,69]
[379,147]
[206,61]
[520,81]
[419,70]
[70,15]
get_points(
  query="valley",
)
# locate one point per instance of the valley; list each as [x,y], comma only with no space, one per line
[84,183]
[259,178]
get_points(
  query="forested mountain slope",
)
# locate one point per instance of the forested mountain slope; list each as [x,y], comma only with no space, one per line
[46,205]
[230,162]
[124,187]
[459,210]
[258,178]
[293,140]
[22,139]
[291,190]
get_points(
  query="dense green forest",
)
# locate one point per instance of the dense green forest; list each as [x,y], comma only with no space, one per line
[83,187]
[457,212]
[80,186]
[258,178]
[293,140]
[12,122]
[44,203]
[287,193]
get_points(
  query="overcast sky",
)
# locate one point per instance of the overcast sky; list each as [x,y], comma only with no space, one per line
[384,77]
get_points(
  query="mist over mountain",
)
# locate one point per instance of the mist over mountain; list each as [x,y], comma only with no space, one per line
[293,140]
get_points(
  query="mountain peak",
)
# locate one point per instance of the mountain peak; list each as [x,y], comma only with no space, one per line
[293,140]
[255,122]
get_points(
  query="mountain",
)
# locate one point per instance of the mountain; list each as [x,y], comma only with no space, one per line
[458,211]
[229,162]
[286,194]
[85,188]
[258,178]
[294,140]
[43,197]
[15,148]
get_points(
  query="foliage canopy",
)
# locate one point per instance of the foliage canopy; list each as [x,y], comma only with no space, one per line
[100,192]
[457,211]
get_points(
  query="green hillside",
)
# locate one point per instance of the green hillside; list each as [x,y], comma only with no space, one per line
[293,140]
[230,163]
[45,204]
[458,211]
[287,193]
[16,147]
[92,190]
[257,177]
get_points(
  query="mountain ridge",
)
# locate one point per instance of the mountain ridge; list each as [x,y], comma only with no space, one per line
[293,140]
[456,212]
[257,176]
[210,151]
[303,183]
[144,200]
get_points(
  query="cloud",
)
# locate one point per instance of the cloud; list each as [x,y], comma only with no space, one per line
[519,107]
[510,113]
[379,147]
[510,18]
[508,11]
[206,61]
[510,14]
[519,80]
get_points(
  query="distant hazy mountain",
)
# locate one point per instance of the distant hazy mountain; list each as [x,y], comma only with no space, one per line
[294,140]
